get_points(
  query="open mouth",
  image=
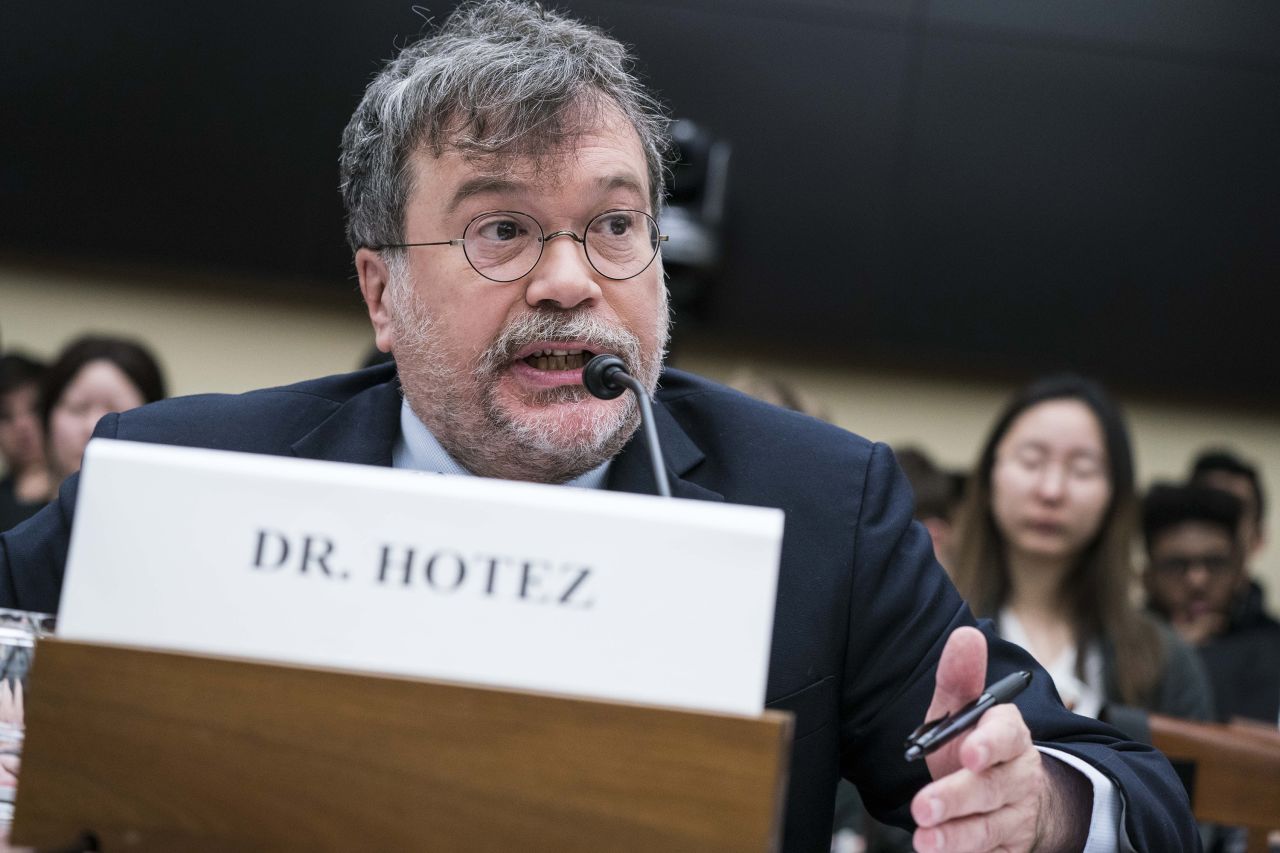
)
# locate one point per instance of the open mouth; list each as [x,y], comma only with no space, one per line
[558,359]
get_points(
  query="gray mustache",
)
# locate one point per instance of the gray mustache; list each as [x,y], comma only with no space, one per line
[599,335]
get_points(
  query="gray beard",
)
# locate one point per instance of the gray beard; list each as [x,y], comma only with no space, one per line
[463,413]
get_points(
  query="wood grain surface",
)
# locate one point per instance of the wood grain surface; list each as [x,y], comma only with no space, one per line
[1237,772]
[158,751]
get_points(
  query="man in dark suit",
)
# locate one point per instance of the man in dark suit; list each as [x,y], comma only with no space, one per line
[500,179]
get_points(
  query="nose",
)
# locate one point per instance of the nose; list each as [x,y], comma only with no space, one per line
[1052,483]
[1198,576]
[562,278]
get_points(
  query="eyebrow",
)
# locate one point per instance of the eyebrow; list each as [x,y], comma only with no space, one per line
[482,185]
[621,182]
[486,184]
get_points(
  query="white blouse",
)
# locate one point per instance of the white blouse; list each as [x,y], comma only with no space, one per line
[1084,697]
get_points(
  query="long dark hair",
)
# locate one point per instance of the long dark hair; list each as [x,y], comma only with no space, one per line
[1096,590]
[134,360]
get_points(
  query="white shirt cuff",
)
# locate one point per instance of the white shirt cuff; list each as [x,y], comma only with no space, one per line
[1106,825]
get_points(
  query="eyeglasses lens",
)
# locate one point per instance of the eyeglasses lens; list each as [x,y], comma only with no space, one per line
[503,246]
[1179,566]
[621,243]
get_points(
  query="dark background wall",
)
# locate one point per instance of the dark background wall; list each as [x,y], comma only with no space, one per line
[969,187]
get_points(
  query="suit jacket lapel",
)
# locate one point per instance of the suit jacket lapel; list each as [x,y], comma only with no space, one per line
[631,471]
[363,429]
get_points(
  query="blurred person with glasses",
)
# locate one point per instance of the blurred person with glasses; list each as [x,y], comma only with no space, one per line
[1196,578]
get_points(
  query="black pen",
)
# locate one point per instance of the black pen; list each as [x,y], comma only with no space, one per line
[933,734]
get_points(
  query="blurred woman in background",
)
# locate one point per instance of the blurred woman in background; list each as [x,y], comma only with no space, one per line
[1043,548]
[92,377]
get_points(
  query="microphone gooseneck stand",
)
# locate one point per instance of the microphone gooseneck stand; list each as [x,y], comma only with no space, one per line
[606,377]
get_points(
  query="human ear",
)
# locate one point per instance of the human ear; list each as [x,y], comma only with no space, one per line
[375,281]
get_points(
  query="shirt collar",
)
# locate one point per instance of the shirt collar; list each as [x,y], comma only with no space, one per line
[416,449]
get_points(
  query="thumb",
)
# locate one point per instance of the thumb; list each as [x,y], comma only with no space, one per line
[962,671]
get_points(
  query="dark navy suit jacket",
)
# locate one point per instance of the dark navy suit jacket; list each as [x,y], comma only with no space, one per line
[863,609]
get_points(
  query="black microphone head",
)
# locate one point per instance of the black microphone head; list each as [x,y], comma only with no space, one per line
[597,376]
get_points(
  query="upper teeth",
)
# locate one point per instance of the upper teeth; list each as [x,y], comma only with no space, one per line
[555,352]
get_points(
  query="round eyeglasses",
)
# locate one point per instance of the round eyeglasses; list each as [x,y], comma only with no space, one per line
[505,245]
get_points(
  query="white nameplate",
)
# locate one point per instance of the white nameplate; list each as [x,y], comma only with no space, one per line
[554,589]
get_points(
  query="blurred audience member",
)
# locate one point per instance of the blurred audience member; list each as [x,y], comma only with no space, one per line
[26,483]
[1195,558]
[1042,545]
[1222,469]
[92,377]
[937,494]
[1196,578]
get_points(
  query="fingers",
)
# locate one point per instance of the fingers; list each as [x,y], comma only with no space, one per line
[1000,736]
[962,670]
[990,803]
[1005,830]
[965,793]
[1010,826]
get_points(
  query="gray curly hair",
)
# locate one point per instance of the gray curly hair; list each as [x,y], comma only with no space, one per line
[498,77]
